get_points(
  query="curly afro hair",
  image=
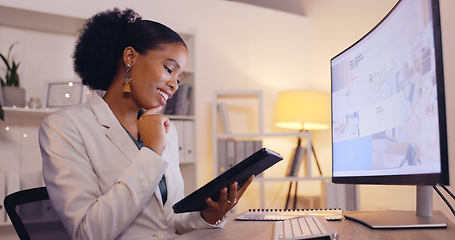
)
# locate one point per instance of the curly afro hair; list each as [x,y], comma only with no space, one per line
[104,37]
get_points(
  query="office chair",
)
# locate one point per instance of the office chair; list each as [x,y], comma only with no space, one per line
[33,216]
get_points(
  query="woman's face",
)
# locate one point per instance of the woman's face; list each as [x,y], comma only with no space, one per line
[157,73]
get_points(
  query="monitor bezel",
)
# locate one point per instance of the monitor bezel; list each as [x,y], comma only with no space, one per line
[412,179]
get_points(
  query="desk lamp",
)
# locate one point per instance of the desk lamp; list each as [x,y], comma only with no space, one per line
[302,111]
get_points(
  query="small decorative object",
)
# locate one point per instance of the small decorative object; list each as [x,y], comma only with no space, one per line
[34,103]
[60,94]
[13,95]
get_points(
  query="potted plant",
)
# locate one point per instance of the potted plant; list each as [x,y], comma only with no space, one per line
[13,95]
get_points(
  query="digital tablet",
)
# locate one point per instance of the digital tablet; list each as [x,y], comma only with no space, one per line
[252,165]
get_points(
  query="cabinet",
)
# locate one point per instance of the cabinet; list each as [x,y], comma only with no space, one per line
[250,103]
[19,147]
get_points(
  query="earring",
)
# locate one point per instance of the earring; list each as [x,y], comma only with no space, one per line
[127,79]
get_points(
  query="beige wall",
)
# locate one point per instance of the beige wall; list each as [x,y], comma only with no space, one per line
[246,47]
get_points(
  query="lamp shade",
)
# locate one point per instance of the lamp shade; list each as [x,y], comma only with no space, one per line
[303,110]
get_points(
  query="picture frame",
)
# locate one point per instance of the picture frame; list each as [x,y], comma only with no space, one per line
[61,94]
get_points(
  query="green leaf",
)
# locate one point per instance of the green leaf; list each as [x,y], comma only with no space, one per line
[2,113]
[6,62]
[14,76]
[11,75]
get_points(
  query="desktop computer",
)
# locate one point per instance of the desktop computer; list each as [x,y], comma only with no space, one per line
[388,111]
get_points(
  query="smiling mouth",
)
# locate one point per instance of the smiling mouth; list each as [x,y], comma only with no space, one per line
[163,94]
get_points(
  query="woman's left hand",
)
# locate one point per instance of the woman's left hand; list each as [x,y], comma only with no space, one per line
[228,199]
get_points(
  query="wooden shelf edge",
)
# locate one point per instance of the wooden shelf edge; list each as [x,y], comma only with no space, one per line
[258,135]
[6,224]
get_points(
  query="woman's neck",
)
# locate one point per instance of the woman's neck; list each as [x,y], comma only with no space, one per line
[124,110]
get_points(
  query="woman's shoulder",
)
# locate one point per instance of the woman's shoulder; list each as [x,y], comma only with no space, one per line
[68,114]
[80,111]
[71,110]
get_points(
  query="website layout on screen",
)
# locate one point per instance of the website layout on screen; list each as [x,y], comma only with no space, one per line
[384,98]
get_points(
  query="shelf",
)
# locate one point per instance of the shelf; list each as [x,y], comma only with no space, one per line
[27,112]
[6,224]
[238,93]
[220,96]
[262,135]
[180,117]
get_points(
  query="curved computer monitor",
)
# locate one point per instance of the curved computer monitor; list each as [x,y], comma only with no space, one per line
[388,107]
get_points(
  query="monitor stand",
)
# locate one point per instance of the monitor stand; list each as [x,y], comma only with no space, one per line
[422,218]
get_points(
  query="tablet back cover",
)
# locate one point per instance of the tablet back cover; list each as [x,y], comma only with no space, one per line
[252,165]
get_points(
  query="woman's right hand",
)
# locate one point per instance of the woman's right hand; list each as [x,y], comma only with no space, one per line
[152,128]
[227,200]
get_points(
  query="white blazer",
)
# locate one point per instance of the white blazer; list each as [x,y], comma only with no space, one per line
[102,186]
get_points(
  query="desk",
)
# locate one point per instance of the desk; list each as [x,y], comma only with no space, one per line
[347,229]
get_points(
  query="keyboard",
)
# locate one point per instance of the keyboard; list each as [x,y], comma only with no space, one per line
[306,227]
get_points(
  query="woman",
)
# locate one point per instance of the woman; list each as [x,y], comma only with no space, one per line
[111,165]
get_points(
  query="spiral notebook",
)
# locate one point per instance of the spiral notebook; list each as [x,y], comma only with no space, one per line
[280,214]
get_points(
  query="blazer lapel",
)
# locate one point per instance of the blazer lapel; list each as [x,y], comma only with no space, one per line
[116,133]
[114,130]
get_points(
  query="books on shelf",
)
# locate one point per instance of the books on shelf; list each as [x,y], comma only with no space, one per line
[185,132]
[233,151]
[281,214]
[180,103]
[223,117]
[294,165]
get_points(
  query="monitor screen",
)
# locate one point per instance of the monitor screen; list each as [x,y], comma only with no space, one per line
[388,107]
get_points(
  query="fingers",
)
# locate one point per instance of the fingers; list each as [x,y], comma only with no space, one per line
[164,120]
[216,205]
[153,110]
[229,199]
[244,186]
[235,193]
[232,196]
[210,203]
[153,128]
[223,194]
